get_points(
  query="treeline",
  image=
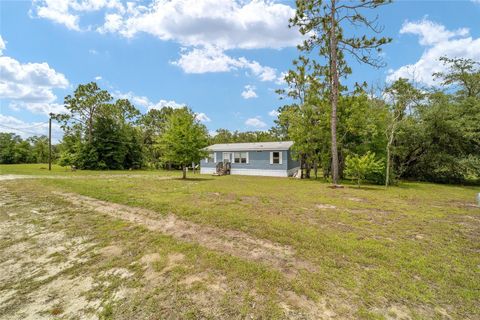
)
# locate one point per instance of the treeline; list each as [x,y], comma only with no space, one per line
[226,136]
[14,149]
[428,134]
[103,133]
[400,132]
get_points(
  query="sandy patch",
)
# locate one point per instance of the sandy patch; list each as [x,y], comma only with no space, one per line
[233,242]
[111,251]
[300,307]
[322,206]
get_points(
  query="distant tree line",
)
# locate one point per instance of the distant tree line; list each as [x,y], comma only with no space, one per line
[430,134]
[401,132]
[14,149]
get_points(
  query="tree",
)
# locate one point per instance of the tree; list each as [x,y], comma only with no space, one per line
[100,134]
[300,120]
[323,22]
[400,95]
[84,105]
[359,167]
[183,139]
[152,126]
[8,143]
[39,148]
[462,72]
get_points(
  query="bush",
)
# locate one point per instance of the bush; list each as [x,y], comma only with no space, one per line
[360,168]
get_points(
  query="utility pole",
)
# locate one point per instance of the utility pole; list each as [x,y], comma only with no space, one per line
[50,142]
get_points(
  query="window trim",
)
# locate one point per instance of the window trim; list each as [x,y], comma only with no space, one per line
[280,156]
[239,153]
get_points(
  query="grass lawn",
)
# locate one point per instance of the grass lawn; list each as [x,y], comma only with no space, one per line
[239,247]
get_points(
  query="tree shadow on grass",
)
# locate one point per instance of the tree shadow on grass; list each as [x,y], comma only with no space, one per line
[194,179]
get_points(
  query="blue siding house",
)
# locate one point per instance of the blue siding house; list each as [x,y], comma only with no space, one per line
[255,159]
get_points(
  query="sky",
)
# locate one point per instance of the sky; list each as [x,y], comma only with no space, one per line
[222,58]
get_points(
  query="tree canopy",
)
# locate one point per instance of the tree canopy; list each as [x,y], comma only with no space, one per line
[183,139]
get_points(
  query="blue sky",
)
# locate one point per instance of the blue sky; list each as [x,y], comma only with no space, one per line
[222,58]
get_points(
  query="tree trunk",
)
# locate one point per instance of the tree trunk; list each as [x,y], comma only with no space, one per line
[184,171]
[334,91]
[308,168]
[389,145]
[90,129]
[301,167]
[315,169]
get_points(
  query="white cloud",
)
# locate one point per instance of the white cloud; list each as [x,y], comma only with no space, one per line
[166,103]
[249,92]
[67,12]
[255,122]
[438,42]
[475,1]
[211,59]
[98,78]
[273,113]
[113,23]
[145,102]
[37,107]
[222,23]
[430,32]
[2,45]
[28,82]
[136,100]
[28,129]
[206,27]
[202,117]
[205,60]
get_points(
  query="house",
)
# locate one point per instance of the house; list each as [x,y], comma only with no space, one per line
[255,159]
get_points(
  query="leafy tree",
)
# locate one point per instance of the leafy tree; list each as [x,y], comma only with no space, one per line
[152,126]
[464,73]
[359,167]
[323,22]
[226,136]
[83,107]
[401,95]
[39,148]
[8,143]
[100,134]
[183,139]
[300,120]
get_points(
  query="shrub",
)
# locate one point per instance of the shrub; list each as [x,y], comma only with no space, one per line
[360,167]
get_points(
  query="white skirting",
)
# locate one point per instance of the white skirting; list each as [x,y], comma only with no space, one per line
[250,172]
[207,170]
[260,172]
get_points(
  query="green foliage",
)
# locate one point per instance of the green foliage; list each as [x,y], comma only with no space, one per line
[100,134]
[183,139]
[360,167]
[323,24]
[464,73]
[13,149]
[151,127]
[226,136]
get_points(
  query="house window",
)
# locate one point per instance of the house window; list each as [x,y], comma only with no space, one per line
[240,157]
[211,158]
[226,156]
[276,157]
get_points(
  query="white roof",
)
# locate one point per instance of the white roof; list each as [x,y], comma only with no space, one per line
[253,146]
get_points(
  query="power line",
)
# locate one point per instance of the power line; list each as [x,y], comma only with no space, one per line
[17,129]
[29,127]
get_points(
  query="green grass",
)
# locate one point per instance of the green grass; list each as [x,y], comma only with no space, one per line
[415,245]
[41,169]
